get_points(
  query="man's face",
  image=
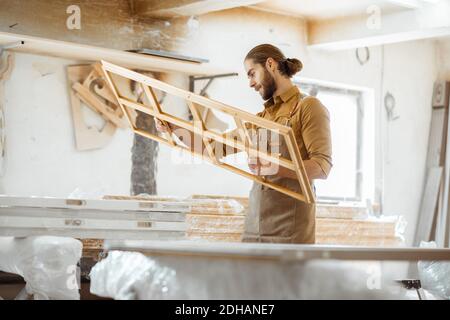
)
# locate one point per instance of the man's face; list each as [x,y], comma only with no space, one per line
[260,79]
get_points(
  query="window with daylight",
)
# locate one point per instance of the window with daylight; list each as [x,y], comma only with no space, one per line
[346,119]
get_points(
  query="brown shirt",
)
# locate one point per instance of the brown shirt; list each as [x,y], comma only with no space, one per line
[310,123]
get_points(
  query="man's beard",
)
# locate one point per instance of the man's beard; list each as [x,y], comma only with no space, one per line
[268,86]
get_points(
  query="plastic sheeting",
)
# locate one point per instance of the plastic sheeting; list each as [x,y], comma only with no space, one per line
[131,275]
[435,275]
[47,264]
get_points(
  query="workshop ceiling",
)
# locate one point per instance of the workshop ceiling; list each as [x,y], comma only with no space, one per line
[326,9]
[309,9]
[332,25]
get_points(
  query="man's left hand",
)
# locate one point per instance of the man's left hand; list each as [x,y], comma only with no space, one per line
[262,167]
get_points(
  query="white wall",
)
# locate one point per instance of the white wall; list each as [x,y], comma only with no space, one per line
[409,74]
[42,159]
[442,54]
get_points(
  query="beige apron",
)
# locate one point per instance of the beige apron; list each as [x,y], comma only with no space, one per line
[276,217]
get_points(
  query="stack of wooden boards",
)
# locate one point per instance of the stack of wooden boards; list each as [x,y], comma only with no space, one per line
[221,218]
[217,218]
[348,225]
[340,225]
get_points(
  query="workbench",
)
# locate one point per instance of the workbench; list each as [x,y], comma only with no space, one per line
[280,271]
[221,270]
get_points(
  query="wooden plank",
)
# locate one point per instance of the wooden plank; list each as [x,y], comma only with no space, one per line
[217,224]
[339,231]
[365,241]
[86,137]
[428,205]
[300,169]
[83,204]
[95,84]
[444,207]
[124,86]
[12,222]
[223,206]
[105,91]
[97,105]
[436,140]
[113,87]
[201,125]
[428,219]
[170,213]
[6,67]
[118,234]
[214,237]
[147,197]
[76,51]
[243,133]
[151,96]
[340,211]
[283,252]
[87,218]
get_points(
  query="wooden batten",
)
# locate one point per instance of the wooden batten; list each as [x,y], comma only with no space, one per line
[76,51]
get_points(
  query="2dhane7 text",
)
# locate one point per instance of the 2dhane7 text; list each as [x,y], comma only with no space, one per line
[246,309]
[226,309]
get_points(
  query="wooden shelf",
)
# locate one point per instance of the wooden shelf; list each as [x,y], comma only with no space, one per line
[71,50]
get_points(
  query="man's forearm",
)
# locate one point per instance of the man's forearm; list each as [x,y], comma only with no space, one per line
[313,171]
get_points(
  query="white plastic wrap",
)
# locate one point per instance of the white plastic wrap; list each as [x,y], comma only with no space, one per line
[131,275]
[47,264]
[435,275]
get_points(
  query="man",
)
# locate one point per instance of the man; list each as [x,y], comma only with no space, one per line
[273,216]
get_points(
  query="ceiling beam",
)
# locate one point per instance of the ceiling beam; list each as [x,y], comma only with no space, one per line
[176,8]
[410,4]
[427,22]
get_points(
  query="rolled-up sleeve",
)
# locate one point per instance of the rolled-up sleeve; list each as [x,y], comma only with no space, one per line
[315,130]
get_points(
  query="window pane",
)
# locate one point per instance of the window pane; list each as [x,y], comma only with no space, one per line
[341,182]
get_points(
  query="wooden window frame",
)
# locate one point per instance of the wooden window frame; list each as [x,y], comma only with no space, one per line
[208,136]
